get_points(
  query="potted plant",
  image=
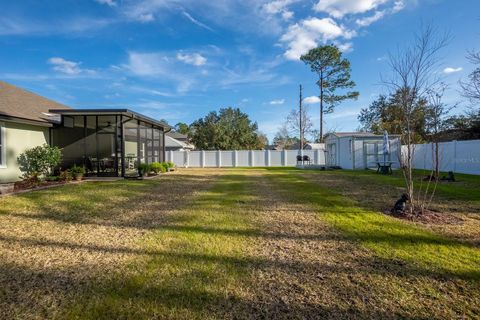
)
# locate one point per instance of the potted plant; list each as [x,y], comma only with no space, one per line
[77,172]
[143,169]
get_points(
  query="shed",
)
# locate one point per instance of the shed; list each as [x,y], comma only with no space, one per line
[359,150]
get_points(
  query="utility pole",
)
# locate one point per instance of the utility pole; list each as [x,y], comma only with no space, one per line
[301,120]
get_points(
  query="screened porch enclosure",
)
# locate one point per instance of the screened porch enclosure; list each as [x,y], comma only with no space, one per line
[111,144]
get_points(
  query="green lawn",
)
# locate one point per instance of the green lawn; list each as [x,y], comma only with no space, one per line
[238,243]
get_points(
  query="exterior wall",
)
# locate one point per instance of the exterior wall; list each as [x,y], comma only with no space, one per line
[18,138]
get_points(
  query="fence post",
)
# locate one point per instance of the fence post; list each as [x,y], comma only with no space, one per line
[219,158]
[454,155]
[284,158]
[171,155]
[268,158]
[235,158]
[202,160]
[187,159]
[252,162]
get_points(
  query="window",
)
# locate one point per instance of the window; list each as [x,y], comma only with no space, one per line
[3,151]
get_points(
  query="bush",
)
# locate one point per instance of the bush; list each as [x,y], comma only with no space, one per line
[39,161]
[156,167]
[143,169]
[77,171]
[170,164]
[66,176]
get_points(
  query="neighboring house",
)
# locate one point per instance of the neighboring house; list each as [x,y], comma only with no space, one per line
[108,142]
[359,150]
[175,141]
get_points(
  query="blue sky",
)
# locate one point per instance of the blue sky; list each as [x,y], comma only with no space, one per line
[180,59]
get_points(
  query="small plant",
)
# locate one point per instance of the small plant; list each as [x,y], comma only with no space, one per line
[156,167]
[66,176]
[77,172]
[170,165]
[143,169]
[39,161]
[52,178]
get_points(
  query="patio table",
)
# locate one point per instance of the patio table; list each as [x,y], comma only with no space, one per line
[384,167]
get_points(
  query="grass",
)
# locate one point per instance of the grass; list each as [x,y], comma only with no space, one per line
[389,237]
[230,244]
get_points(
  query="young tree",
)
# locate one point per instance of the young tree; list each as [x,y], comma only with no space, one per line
[437,110]
[299,123]
[413,76]
[471,87]
[229,129]
[333,74]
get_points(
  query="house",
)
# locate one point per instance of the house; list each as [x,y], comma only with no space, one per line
[359,150]
[175,141]
[108,142]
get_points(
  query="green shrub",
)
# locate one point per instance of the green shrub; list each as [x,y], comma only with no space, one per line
[170,165]
[52,178]
[77,172]
[156,167]
[143,169]
[39,161]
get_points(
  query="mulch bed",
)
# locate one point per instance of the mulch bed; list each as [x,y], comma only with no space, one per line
[428,217]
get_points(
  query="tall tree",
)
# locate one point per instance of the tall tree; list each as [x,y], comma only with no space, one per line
[471,87]
[413,76]
[182,128]
[386,113]
[333,74]
[229,129]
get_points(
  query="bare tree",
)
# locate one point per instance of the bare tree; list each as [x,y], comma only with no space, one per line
[413,76]
[299,123]
[471,87]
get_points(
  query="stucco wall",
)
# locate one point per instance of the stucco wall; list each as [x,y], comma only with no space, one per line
[18,138]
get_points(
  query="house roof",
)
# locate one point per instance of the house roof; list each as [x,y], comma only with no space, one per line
[127,112]
[178,135]
[174,143]
[20,104]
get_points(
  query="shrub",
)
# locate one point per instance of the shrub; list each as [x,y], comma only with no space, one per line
[156,167]
[143,169]
[77,171]
[39,161]
[170,165]
[66,175]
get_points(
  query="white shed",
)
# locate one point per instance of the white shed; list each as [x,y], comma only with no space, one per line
[359,150]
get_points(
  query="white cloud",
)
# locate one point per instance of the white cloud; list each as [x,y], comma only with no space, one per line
[311,100]
[279,7]
[452,70]
[339,8]
[277,102]
[147,64]
[195,21]
[194,59]
[110,3]
[65,66]
[308,33]
[366,21]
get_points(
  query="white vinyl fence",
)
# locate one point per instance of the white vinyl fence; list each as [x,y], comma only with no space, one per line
[456,156]
[242,158]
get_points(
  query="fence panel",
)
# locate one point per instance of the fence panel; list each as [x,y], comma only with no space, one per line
[456,156]
[242,158]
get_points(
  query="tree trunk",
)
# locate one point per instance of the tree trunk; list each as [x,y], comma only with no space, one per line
[321,107]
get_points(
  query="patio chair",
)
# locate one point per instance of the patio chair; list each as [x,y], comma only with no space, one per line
[299,159]
[306,159]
